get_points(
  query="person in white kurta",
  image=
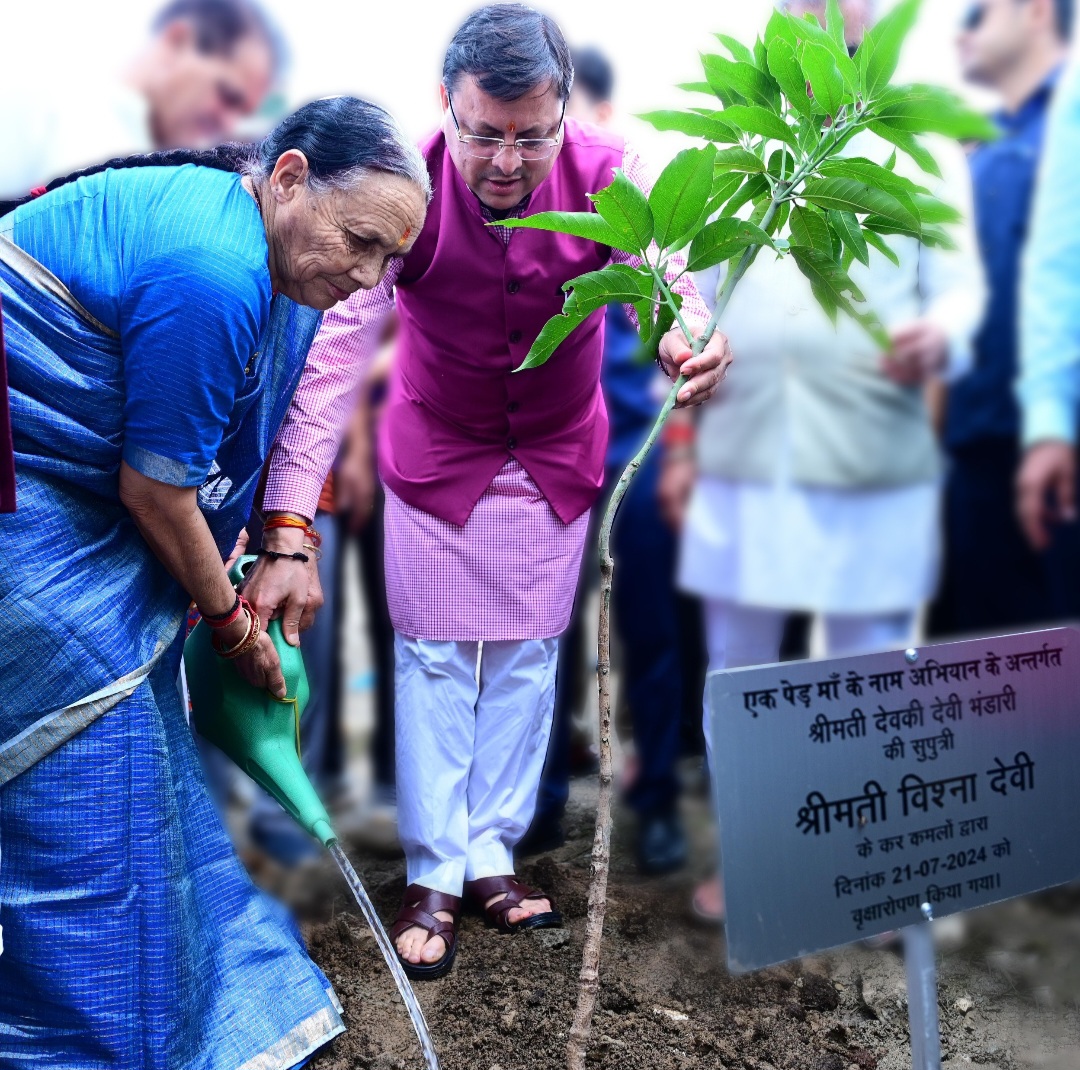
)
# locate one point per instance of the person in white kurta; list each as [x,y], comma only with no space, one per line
[205,67]
[817,471]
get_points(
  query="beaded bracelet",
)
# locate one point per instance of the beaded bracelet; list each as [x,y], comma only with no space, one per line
[275,555]
[313,535]
[246,644]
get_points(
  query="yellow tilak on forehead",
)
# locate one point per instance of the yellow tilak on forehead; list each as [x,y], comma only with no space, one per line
[404,237]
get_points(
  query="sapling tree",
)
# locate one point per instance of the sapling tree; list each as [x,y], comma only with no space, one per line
[775,174]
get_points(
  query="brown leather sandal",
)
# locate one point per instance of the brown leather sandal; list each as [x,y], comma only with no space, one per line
[418,907]
[483,888]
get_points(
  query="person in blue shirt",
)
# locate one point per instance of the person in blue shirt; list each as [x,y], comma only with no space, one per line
[157,317]
[1049,387]
[992,578]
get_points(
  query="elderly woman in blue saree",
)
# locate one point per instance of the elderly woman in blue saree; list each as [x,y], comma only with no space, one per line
[157,315]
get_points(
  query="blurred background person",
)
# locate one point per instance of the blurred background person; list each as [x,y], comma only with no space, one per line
[207,65]
[992,578]
[815,476]
[645,611]
[1049,387]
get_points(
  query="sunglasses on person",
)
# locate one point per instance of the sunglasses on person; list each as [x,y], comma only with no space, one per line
[487,148]
[974,17]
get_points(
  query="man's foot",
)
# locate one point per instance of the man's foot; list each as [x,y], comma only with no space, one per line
[708,906]
[511,905]
[425,931]
[661,843]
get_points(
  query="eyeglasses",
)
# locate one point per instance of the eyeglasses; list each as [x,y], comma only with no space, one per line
[973,18]
[487,148]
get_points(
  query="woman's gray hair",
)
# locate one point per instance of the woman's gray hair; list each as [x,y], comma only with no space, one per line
[345,140]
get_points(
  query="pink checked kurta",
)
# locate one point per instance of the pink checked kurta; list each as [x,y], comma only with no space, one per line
[510,572]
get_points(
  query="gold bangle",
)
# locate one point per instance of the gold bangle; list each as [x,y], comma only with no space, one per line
[251,637]
[314,549]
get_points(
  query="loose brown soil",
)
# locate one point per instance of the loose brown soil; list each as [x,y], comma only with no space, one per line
[1008,997]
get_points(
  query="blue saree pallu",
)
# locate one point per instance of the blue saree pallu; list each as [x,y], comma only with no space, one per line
[131,936]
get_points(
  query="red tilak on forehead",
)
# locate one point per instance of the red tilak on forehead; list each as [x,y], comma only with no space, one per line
[404,237]
[512,127]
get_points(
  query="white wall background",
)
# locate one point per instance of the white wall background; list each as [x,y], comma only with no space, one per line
[391,50]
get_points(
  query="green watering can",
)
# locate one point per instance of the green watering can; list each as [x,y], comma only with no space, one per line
[257,730]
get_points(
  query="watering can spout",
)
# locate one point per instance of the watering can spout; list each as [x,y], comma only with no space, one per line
[257,730]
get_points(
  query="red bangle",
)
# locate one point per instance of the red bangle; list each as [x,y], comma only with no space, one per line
[251,637]
[678,435]
[314,536]
[284,522]
[217,623]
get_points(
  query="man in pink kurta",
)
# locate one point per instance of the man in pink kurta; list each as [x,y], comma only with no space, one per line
[489,474]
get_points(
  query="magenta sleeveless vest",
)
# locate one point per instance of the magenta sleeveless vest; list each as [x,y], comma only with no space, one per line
[470,307]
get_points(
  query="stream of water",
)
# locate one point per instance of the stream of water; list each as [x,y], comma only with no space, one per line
[408,996]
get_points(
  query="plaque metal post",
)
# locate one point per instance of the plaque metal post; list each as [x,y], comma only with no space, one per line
[921,969]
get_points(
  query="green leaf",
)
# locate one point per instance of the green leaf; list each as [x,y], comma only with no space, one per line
[735,83]
[933,211]
[845,225]
[907,143]
[786,69]
[754,187]
[695,124]
[851,195]
[627,210]
[579,224]
[738,159]
[936,237]
[834,24]
[738,50]
[777,165]
[810,230]
[780,27]
[680,196]
[808,30]
[835,290]
[665,320]
[819,66]
[753,120]
[870,173]
[779,220]
[721,240]
[696,87]
[882,46]
[882,246]
[923,109]
[587,293]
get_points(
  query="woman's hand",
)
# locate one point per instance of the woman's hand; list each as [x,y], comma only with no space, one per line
[704,372]
[261,667]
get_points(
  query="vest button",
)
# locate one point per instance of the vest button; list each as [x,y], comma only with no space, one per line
[515,336]
[513,287]
[513,407]
[511,443]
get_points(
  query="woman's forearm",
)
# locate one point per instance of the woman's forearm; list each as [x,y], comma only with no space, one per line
[169,519]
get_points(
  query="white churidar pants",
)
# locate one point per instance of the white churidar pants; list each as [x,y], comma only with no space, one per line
[738,636]
[470,750]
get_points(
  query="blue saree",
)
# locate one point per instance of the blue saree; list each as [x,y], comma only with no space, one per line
[130,936]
